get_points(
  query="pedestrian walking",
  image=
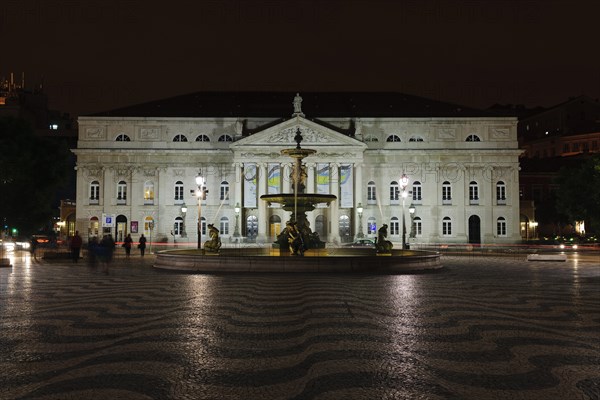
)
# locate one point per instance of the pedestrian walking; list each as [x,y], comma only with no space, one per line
[142,245]
[107,247]
[127,244]
[76,243]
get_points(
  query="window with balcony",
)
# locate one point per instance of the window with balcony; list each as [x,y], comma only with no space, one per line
[473,193]
[94,193]
[446,193]
[500,193]
[122,192]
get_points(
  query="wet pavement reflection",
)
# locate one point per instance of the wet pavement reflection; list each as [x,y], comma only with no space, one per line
[483,327]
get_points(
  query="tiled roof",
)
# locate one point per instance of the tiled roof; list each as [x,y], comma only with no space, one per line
[279,105]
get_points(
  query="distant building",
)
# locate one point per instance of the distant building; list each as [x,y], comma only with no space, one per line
[136,167]
[559,136]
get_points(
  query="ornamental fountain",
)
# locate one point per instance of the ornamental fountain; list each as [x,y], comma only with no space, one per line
[299,203]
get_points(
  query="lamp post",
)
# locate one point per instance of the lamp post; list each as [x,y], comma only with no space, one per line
[183,212]
[359,210]
[237,209]
[403,185]
[411,211]
[200,193]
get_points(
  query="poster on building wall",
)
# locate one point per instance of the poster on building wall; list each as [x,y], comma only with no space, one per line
[134,227]
[274,179]
[323,178]
[250,184]
[346,187]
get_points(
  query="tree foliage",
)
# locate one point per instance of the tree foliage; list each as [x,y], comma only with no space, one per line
[579,194]
[32,169]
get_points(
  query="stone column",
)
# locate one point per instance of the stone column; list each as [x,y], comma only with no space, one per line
[262,205]
[285,177]
[334,234]
[310,179]
[358,197]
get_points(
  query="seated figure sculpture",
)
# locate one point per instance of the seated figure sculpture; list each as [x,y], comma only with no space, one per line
[382,245]
[214,243]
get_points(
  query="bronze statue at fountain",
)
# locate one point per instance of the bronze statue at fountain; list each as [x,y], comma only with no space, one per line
[299,203]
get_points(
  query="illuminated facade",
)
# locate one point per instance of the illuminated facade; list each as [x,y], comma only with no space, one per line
[136,167]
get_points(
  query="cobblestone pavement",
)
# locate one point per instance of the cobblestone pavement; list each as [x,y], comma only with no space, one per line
[481,328]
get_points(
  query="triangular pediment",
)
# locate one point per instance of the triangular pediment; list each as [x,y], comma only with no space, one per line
[314,136]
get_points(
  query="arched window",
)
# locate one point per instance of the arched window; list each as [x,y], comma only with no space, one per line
[94,227]
[417,192]
[415,139]
[393,138]
[122,192]
[371,226]
[501,192]
[446,193]
[180,138]
[501,226]
[394,226]
[473,138]
[224,192]
[394,193]
[225,138]
[473,193]
[122,138]
[148,192]
[95,192]
[202,138]
[417,226]
[224,226]
[446,226]
[371,193]
[178,192]
[371,138]
[178,227]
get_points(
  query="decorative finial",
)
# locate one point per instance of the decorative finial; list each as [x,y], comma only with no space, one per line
[298,138]
[298,106]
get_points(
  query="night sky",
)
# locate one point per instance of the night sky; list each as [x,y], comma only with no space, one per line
[99,55]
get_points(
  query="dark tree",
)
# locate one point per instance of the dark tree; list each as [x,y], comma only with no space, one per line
[32,169]
[579,194]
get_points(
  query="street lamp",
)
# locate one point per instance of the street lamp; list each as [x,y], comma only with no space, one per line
[183,212]
[359,210]
[237,209]
[411,211]
[200,193]
[403,185]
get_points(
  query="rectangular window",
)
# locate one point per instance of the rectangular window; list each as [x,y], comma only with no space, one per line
[501,228]
[416,193]
[224,195]
[394,228]
[447,228]
[224,227]
[446,194]
[179,192]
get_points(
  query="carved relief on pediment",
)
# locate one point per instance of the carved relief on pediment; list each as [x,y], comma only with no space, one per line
[309,136]
[95,132]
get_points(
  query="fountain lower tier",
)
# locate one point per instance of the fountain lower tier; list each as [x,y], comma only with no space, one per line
[304,202]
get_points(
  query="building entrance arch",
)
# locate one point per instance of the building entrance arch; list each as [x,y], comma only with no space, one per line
[474,229]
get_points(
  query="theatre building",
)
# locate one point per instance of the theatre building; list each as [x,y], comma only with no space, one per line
[137,168]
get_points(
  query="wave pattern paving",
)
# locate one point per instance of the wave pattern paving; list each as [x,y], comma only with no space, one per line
[480,329]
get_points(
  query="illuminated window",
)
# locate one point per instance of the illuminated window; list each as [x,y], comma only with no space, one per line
[148,192]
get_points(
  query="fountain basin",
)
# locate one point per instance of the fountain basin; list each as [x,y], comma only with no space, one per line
[305,201]
[265,259]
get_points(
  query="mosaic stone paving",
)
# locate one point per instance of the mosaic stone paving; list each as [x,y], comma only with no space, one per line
[482,328]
